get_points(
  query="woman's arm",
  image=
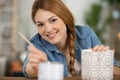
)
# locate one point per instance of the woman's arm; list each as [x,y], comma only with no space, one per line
[103,48]
[31,73]
[34,58]
[98,47]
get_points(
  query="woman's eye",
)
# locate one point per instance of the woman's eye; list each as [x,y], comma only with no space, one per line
[40,25]
[53,20]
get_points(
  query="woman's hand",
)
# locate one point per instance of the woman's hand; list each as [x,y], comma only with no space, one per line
[100,48]
[34,58]
[104,48]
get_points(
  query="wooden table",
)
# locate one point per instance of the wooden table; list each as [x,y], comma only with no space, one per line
[23,78]
[67,78]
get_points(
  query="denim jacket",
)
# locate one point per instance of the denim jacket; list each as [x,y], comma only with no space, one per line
[86,38]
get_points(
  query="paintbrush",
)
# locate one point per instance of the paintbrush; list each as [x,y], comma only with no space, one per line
[23,37]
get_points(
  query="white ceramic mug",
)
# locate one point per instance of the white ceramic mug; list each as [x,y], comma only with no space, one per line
[50,71]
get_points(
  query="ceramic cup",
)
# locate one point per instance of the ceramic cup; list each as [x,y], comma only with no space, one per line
[50,71]
[97,65]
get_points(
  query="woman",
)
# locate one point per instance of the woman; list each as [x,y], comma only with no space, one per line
[58,39]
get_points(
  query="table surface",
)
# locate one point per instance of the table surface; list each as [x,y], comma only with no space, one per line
[67,78]
[23,78]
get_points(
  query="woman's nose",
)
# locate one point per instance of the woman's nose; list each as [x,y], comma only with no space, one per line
[48,28]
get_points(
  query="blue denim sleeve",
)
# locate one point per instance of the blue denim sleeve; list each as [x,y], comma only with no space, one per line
[94,38]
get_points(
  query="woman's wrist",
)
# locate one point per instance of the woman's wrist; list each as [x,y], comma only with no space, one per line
[31,73]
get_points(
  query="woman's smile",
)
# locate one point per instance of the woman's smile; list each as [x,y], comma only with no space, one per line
[52,35]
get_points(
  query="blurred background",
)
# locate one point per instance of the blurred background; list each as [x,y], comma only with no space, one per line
[15,15]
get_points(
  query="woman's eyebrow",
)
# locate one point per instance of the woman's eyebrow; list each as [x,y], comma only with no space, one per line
[38,22]
[51,18]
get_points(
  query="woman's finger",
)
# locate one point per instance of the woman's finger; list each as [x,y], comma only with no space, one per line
[100,48]
[95,48]
[106,48]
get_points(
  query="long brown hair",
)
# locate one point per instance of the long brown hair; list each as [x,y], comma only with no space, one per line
[59,8]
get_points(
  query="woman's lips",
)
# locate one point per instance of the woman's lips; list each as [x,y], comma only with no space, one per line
[52,35]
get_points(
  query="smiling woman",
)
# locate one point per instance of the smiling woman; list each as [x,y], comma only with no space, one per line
[58,39]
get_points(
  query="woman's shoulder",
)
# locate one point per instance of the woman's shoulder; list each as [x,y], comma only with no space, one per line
[83,31]
[35,37]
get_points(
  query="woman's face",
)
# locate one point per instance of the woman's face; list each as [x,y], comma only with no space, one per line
[51,27]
